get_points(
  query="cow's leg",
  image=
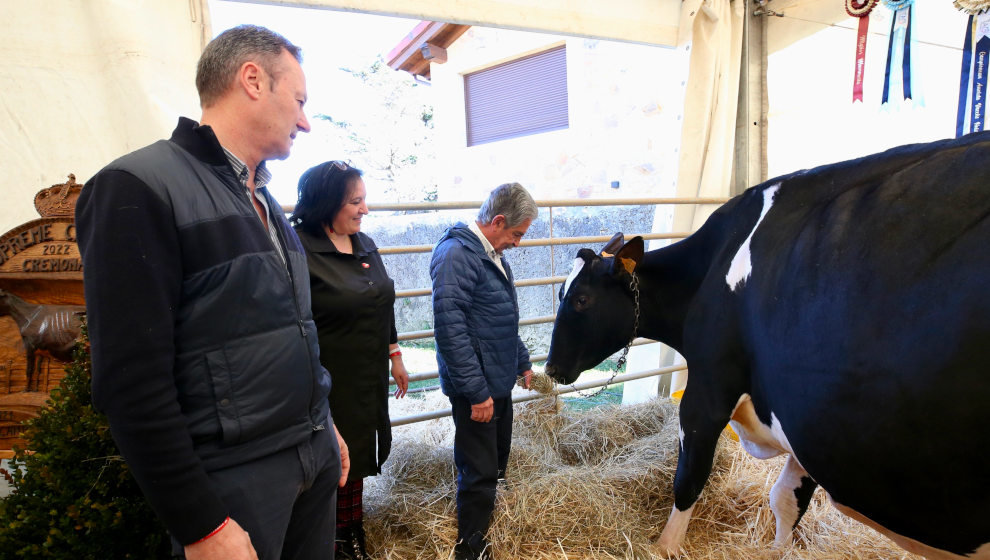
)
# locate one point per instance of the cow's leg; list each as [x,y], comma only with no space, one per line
[789,499]
[669,544]
[702,421]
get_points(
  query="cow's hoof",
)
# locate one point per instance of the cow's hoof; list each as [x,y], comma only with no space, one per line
[783,540]
[667,550]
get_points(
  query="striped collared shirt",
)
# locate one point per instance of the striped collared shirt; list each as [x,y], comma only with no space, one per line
[261,178]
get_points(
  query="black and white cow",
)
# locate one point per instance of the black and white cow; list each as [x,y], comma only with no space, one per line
[839,315]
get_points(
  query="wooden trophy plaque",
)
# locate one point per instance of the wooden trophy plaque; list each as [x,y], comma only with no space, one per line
[41,302]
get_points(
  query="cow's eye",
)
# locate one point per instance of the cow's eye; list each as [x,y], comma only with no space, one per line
[581,302]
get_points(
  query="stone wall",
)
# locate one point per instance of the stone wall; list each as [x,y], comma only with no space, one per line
[411,271]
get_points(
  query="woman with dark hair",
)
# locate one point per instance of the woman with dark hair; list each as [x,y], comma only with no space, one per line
[353,301]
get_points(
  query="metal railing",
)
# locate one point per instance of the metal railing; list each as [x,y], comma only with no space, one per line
[561,390]
[545,281]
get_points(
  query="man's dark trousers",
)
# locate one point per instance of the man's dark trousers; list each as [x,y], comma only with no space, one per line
[481,452]
[286,501]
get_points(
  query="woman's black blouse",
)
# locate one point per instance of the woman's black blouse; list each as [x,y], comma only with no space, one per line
[353,301]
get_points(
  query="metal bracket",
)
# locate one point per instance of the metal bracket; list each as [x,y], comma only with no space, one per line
[762,9]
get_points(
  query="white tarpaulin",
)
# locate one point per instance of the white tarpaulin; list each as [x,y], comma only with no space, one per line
[85,81]
[711,30]
[714,30]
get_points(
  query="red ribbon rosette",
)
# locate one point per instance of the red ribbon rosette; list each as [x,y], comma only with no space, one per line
[860,9]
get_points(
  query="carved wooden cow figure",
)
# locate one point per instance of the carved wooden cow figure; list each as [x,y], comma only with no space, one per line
[49,328]
[840,316]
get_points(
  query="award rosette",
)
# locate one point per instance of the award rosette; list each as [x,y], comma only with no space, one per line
[971,112]
[899,66]
[860,9]
[972,7]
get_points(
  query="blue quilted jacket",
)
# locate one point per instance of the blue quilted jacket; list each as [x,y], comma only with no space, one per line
[476,320]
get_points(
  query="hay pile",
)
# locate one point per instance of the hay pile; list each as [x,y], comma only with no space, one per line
[594,485]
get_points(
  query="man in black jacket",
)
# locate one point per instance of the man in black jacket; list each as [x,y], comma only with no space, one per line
[205,356]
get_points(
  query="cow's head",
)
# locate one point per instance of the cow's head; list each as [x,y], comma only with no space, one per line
[596,313]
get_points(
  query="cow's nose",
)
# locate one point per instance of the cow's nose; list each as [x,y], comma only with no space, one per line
[551,370]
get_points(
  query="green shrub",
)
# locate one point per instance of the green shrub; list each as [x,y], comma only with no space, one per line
[74,496]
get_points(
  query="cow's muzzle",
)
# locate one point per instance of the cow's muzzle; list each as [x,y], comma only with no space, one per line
[552,371]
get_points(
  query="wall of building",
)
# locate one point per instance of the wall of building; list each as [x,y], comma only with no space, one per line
[624,111]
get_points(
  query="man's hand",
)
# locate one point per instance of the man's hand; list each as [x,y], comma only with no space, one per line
[483,412]
[527,377]
[345,458]
[230,543]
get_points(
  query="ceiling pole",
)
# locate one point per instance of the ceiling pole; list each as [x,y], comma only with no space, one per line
[750,162]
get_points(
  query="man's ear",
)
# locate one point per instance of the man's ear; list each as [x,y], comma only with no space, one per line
[252,79]
[628,257]
[499,221]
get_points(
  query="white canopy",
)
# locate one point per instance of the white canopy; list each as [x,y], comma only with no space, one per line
[85,82]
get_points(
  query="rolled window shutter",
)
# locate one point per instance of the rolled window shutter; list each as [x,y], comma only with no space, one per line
[517,98]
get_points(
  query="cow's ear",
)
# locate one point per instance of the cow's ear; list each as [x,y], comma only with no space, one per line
[627,258]
[613,245]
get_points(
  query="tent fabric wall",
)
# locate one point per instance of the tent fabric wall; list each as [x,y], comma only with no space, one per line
[84,82]
[712,31]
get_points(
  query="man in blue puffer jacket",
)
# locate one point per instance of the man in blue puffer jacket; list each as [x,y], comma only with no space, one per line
[479,352]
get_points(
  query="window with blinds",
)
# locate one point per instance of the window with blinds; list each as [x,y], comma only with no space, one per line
[517,98]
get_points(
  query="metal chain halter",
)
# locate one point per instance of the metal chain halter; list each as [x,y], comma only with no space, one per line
[634,286]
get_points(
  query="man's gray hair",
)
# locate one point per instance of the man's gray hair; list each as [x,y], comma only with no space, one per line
[510,200]
[224,56]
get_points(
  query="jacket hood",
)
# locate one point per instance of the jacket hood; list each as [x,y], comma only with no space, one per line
[462,232]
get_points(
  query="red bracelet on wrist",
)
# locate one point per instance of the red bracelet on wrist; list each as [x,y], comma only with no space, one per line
[215,531]
[395,353]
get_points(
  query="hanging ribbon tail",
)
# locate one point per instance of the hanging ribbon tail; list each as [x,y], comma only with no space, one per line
[906,63]
[860,69]
[978,73]
[981,57]
[964,73]
[886,72]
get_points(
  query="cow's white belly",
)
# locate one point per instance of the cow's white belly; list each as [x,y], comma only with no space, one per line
[909,544]
[758,439]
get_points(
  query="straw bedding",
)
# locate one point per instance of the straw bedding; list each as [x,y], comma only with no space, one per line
[594,485]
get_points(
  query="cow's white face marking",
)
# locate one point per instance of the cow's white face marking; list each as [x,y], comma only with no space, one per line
[742,264]
[680,434]
[578,265]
